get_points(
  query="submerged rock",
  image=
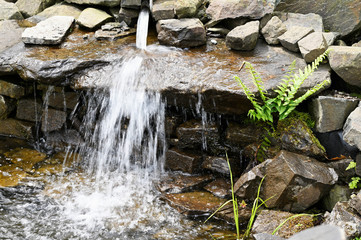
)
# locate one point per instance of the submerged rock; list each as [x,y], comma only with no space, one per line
[194,203]
[219,188]
[25,158]
[51,31]
[187,32]
[11,175]
[268,220]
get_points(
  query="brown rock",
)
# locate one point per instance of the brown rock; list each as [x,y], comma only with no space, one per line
[16,128]
[181,183]
[219,187]
[177,160]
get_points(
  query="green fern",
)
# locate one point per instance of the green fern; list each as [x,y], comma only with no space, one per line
[284,103]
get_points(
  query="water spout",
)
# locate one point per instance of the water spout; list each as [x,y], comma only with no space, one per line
[142,25]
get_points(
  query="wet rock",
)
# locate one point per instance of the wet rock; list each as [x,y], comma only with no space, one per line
[345,218]
[296,136]
[273,29]
[16,128]
[220,165]
[330,112]
[268,220]
[340,166]
[335,145]
[9,11]
[323,232]
[310,20]
[92,18]
[177,160]
[25,158]
[62,100]
[341,19]
[266,236]
[11,175]
[243,37]
[163,9]
[10,34]
[114,34]
[11,90]
[219,188]
[227,213]
[6,107]
[224,9]
[187,32]
[293,35]
[61,10]
[355,202]
[352,128]
[346,62]
[295,182]
[238,136]
[330,37]
[58,164]
[30,8]
[51,31]
[129,16]
[107,3]
[170,125]
[64,140]
[52,120]
[182,183]
[131,3]
[338,193]
[194,203]
[187,8]
[29,110]
[195,135]
[312,46]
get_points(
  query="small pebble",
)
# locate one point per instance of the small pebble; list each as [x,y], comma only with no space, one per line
[213,41]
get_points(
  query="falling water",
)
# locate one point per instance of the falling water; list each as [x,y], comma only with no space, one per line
[142,29]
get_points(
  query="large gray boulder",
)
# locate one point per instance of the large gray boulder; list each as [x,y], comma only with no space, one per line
[310,20]
[312,46]
[51,31]
[352,128]
[9,11]
[30,8]
[92,18]
[273,29]
[186,32]
[243,37]
[344,217]
[10,34]
[61,10]
[337,16]
[295,182]
[346,62]
[107,3]
[224,9]
[330,112]
[293,35]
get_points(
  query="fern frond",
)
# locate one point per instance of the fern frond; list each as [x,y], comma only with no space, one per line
[257,81]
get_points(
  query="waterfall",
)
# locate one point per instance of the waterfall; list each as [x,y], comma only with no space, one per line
[142,28]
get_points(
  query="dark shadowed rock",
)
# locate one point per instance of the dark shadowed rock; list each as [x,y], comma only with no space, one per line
[268,220]
[6,106]
[52,120]
[9,11]
[238,136]
[129,16]
[295,182]
[335,145]
[64,140]
[62,100]
[170,125]
[330,112]
[323,232]
[51,31]
[220,165]
[293,35]
[338,193]
[177,160]
[243,37]
[346,218]
[358,165]
[107,3]
[11,90]
[346,62]
[337,17]
[225,9]
[194,203]
[16,128]
[177,183]
[340,166]
[219,187]
[29,110]
[187,32]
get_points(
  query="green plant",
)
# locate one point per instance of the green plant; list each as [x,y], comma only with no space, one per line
[355,181]
[271,110]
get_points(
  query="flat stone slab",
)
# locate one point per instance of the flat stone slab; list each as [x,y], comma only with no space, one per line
[51,31]
[107,3]
[91,18]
